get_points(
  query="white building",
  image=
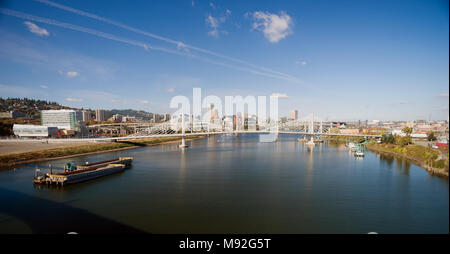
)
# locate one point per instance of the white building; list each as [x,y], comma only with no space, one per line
[228,123]
[398,133]
[62,119]
[419,135]
[27,130]
[117,117]
[129,119]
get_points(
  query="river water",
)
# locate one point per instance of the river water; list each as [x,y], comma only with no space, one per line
[229,184]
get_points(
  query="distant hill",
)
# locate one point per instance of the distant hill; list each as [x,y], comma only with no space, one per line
[129,112]
[29,108]
[27,111]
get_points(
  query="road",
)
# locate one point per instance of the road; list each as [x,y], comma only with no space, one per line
[24,146]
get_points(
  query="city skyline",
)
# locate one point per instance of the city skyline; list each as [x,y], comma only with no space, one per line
[345,60]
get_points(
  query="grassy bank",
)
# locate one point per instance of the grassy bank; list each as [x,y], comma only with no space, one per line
[422,156]
[343,139]
[76,150]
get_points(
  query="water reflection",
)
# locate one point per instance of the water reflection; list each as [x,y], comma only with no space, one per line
[245,186]
[386,159]
[401,164]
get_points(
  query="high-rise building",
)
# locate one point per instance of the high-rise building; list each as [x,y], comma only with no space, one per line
[99,115]
[166,117]
[62,119]
[239,122]
[215,115]
[211,116]
[293,115]
[86,115]
[156,118]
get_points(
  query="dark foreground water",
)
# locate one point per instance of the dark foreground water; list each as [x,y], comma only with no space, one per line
[225,184]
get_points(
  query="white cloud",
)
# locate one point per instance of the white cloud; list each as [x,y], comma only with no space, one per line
[214,24]
[275,27]
[20,91]
[300,62]
[145,102]
[69,74]
[44,87]
[182,46]
[262,70]
[399,103]
[171,90]
[36,30]
[214,33]
[72,74]
[279,95]
[444,95]
[118,101]
[74,99]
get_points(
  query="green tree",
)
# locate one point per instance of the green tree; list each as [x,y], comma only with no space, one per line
[388,139]
[403,141]
[431,137]
[407,130]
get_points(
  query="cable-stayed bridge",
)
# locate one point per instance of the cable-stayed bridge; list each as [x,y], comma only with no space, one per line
[310,126]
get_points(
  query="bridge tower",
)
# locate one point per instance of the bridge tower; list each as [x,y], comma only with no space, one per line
[276,130]
[311,131]
[183,133]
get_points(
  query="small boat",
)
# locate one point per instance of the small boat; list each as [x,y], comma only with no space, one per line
[359,150]
[351,145]
[359,154]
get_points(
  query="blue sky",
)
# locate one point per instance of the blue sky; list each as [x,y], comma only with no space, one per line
[344,60]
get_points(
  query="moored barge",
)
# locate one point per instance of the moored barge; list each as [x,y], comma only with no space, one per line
[88,171]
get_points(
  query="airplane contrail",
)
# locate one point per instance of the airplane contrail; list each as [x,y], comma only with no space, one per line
[146,46]
[168,40]
[86,30]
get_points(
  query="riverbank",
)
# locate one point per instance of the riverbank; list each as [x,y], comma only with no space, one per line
[82,149]
[343,139]
[426,158]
